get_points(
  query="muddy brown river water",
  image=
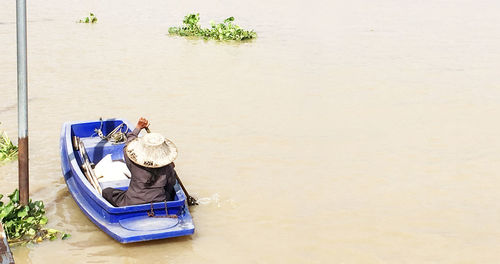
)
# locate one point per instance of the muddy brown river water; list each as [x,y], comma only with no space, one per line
[347,132]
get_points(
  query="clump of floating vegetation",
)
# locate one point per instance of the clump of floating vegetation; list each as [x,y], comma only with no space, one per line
[222,31]
[8,151]
[92,19]
[26,223]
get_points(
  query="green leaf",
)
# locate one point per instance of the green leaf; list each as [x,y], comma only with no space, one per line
[52,231]
[39,204]
[65,236]
[23,212]
[31,232]
[6,211]
[43,220]
[14,197]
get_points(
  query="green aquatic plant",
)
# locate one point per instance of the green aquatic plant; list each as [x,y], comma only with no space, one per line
[8,151]
[26,223]
[222,31]
[92,19]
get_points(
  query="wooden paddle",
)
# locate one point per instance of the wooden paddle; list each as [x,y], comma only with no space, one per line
[88,171]
[190,199]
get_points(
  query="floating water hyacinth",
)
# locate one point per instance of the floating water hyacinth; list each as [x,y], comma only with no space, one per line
[26,223]
[91,19]
[222,31]
[8,151]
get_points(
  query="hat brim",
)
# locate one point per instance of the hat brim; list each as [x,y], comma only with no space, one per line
[134,153]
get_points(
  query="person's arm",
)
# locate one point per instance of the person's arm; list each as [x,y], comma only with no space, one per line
[142,123]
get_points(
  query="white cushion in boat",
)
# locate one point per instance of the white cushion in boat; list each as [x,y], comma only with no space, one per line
[108,170]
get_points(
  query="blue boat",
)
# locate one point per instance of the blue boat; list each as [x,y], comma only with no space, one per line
[80,147]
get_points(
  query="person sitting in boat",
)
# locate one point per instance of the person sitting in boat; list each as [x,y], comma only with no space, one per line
[150,161]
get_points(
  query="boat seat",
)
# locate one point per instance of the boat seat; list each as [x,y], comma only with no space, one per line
[119,184]
[98,148]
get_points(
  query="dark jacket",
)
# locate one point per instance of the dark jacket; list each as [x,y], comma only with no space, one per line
[146,184]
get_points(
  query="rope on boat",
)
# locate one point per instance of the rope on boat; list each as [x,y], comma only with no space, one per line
[151,213]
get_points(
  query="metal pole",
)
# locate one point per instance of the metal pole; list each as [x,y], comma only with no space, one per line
[22,102]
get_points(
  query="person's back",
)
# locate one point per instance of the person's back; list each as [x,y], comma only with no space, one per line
[153,176]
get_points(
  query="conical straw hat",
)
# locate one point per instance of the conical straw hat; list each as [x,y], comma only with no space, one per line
[151,150]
